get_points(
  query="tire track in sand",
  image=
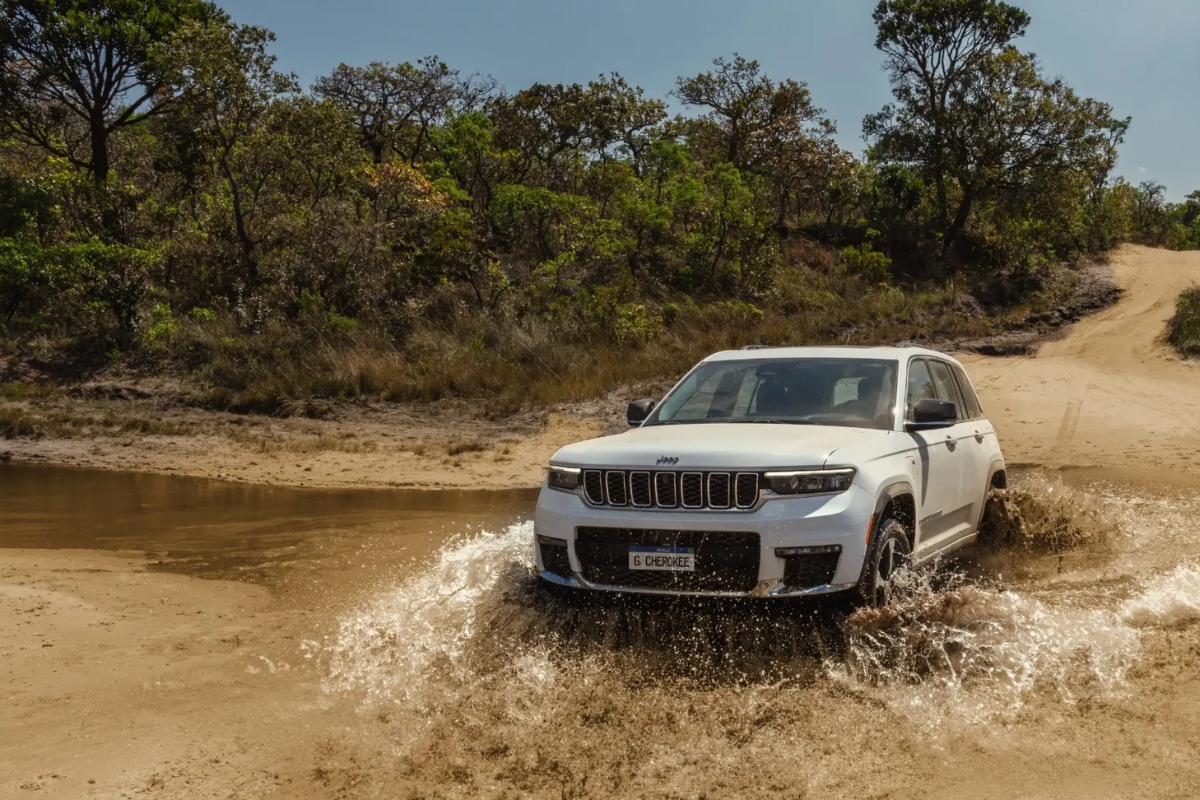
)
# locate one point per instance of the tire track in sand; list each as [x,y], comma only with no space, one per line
[1143,402]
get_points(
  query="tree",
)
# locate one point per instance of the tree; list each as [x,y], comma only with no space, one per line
[1150,214]
[73,72]
[975,118]
[763,127]
[1013,133]
[225,83]
[556,130]
[738,97]
[931,47]
[396,107]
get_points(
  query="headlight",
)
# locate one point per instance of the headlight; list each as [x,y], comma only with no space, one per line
[565,478]
[820,481]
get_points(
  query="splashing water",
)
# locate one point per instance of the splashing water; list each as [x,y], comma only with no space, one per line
[427,622]
[974,653]
[481,680]
[1170,601]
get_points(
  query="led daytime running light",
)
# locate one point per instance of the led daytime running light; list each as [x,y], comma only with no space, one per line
[833,481]
[565,478]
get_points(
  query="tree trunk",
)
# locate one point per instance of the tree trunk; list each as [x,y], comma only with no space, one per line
[99,151]
[109,219]
[952,246]
[239,223]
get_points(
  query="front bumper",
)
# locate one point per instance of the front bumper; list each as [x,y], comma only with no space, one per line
[841,519]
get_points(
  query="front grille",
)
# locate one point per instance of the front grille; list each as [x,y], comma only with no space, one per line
[554,556]
[639,489]
[718,489]
[746,489]
[691,490]
[593,487]
[665,495]
[614,483]
[725,561]
[809,570]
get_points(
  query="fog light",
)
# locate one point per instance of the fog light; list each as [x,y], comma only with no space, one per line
[809,550]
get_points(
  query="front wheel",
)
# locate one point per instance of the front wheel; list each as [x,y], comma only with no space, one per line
[889,555]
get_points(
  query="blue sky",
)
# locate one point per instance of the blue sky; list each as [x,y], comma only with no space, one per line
[1142,56]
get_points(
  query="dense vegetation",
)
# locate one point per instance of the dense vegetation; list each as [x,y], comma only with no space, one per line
[1184,333]
[170,200]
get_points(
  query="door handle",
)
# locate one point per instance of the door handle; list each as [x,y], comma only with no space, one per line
[979,437]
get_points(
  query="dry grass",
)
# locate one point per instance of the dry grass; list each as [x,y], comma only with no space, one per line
[516,363]
[457,448]
[70,420]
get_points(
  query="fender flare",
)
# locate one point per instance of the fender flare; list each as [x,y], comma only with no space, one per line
[886,495]
[997,466]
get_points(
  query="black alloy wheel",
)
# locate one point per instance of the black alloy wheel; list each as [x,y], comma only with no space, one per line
[890,554]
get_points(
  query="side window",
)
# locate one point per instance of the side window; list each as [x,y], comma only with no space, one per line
[975,411]
[920,385]
[943,381]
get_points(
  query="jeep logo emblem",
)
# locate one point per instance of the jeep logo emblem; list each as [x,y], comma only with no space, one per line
[667,461]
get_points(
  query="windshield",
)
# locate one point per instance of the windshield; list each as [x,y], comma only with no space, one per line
[852,392]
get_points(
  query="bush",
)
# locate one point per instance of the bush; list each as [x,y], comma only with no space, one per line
[866,263]
[1185,326]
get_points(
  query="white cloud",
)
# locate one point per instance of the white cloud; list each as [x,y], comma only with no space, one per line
[1142,169]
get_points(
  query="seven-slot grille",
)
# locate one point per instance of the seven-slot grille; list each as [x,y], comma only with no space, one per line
[690,490]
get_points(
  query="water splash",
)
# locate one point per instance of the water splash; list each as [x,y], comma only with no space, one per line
[1169,601]
[426,623]
[974,653]
[471,676]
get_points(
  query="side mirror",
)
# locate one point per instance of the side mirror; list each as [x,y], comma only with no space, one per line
[638,411]
[929,414]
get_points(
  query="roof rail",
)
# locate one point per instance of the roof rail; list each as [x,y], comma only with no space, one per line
[917,345]
[758,347]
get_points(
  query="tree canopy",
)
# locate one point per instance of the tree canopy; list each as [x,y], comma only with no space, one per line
[159,172]
[73,72]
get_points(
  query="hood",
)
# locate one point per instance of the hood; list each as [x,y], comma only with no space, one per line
[747,446]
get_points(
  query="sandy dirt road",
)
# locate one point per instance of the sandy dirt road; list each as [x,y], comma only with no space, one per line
[1112,394]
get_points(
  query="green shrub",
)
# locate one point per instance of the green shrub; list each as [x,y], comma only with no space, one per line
[1185,326]
[866,263]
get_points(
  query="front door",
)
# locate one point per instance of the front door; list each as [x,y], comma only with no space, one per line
[939,494]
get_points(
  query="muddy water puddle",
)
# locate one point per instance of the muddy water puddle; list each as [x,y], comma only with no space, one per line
[1063,660]
[216,529]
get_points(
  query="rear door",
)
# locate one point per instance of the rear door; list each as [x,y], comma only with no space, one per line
[959,439]
[940,476]
[981,446]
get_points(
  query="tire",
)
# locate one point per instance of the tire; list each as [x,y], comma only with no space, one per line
[889,554]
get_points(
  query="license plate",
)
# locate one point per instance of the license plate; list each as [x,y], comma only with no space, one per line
[663,559]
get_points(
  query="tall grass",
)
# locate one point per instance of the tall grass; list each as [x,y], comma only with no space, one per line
[1184,333]
[514,361]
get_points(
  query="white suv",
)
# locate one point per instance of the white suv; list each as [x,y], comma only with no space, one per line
[775,472]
